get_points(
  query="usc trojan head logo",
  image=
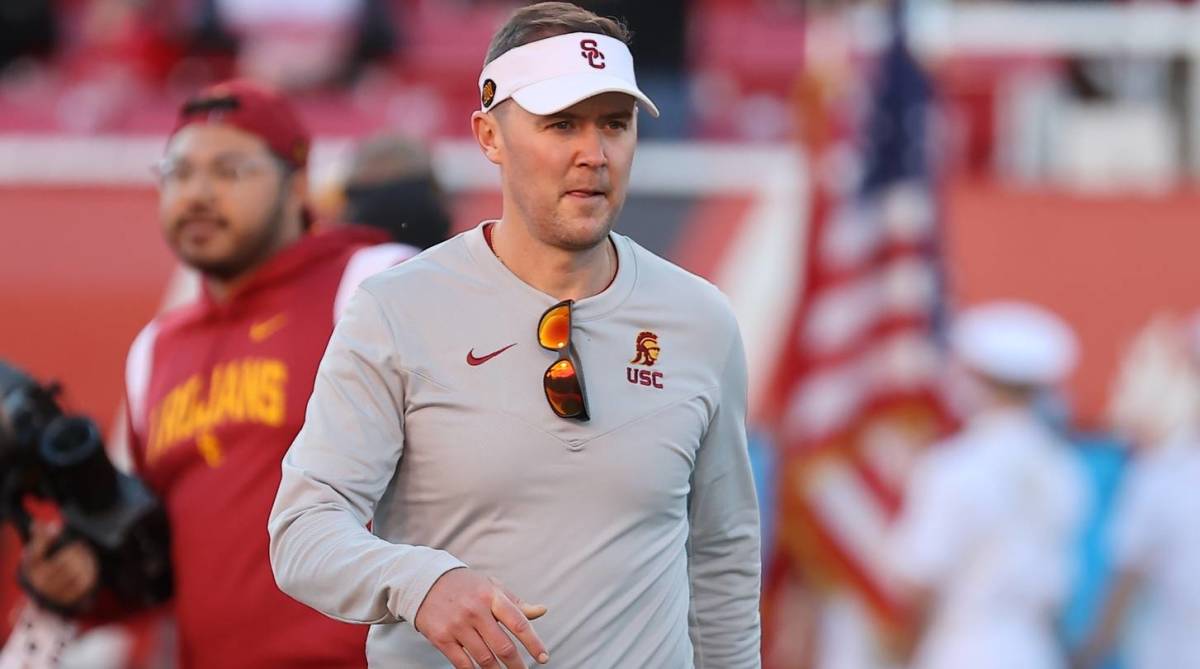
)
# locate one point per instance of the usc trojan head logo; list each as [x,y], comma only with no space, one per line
[647,349]
[489,93]
[590,50]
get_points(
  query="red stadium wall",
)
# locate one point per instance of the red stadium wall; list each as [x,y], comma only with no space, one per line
[82,270]
[1106,263]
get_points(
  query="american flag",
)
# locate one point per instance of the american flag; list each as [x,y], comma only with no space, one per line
[856,393]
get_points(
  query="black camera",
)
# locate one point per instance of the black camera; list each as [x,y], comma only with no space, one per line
[47,454]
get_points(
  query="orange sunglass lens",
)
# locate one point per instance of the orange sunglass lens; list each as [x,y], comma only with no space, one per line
[554,331]
[563,389]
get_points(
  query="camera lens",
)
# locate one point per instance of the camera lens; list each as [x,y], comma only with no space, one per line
[77,465]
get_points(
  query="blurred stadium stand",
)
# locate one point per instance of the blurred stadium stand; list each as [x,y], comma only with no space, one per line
[124,66]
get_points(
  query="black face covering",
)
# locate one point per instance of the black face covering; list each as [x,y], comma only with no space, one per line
[408,209]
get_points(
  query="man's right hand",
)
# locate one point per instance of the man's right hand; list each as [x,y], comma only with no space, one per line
[65,578]
[462,616]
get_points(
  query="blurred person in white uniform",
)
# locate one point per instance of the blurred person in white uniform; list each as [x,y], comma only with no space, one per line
[985,542]
[1155,535]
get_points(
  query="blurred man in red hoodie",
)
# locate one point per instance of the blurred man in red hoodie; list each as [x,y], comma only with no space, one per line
[216,390]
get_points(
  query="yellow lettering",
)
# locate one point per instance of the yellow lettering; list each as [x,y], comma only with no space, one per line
[154,443]
[210,449]
[247,390]
[248,377]
[274,376]
[229,396]
[187,414]
[212,406]
[163,413]
[208,412]
[199,414]
[172,416]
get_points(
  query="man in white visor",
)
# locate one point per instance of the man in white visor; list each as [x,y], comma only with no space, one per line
[450,412]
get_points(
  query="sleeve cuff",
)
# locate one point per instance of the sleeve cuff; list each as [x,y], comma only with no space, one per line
[405,602]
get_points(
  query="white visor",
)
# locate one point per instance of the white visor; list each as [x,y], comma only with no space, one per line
[549,75]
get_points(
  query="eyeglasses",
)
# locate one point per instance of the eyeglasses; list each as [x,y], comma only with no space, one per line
[226,172]
[563,380]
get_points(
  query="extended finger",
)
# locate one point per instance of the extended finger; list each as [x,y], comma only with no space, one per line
[455,653]
[502,645]
[531,611]
[477,649]
[514,619]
